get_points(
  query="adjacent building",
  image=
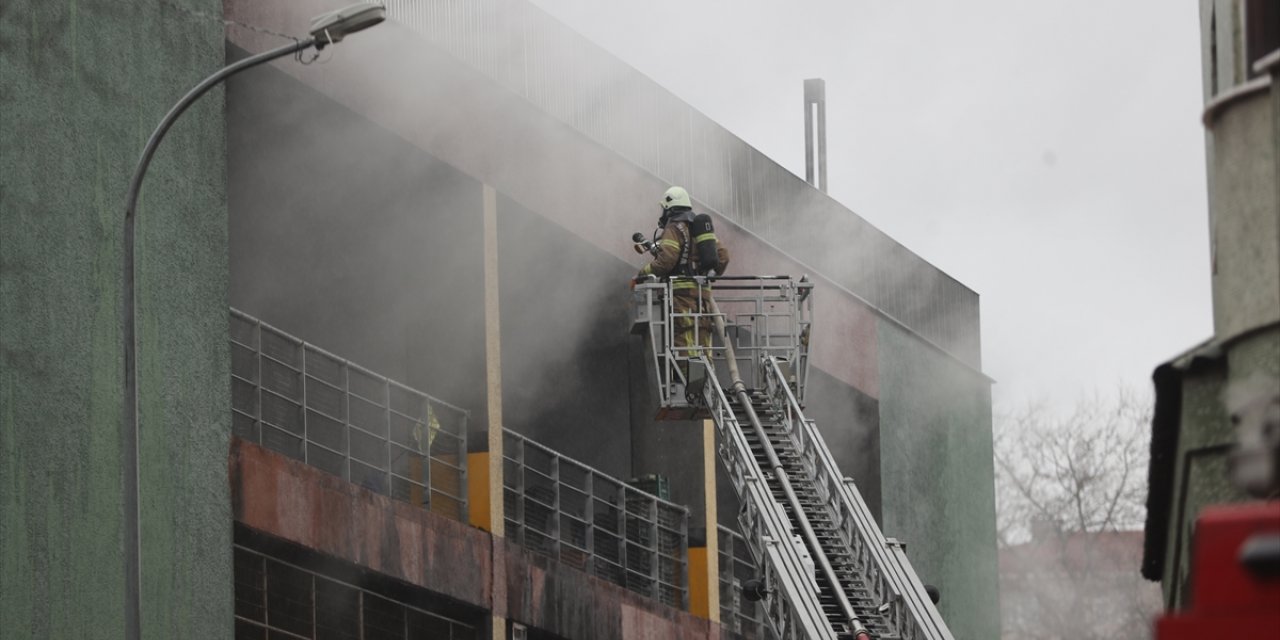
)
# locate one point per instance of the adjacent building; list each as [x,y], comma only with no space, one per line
[1192,431]
[1052,582]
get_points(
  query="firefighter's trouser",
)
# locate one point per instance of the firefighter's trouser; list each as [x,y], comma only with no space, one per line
[691,334]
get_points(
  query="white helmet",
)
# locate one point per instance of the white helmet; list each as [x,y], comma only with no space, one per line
[676,197]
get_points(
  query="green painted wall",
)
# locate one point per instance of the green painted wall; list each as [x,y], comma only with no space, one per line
[1205,433]
[1244,218]
[1200,473]
[83,84]
[938,483]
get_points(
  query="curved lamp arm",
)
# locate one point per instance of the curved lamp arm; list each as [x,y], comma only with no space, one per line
[135,185]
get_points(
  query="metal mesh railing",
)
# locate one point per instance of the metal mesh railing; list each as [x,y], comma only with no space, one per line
[736,567]
[296,399]
[557,506]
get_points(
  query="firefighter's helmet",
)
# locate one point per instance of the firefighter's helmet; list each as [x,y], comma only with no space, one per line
[676,197]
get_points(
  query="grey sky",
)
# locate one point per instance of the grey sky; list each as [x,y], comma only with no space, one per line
[1046,153]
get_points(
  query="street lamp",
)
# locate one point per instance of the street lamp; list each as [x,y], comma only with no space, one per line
[326,29]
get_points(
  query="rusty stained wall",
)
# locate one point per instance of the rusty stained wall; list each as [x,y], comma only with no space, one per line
[292,501]
[544,594]
[299,503]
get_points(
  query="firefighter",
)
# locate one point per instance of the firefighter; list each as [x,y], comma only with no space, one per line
[687,247]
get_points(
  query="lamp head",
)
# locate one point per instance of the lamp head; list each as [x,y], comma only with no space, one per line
[336,25]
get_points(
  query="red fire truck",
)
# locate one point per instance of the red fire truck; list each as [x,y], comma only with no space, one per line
[1235,577]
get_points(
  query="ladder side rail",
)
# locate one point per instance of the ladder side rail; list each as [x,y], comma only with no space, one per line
[873,555]
[828,486]
[924,620]
[880,586]
[804,313]
[807,533]
[888,560]
[792,607]
[928,617]
[917,617]
[657,341]
[817,554]
[764,526]
[660,336]
[668,322]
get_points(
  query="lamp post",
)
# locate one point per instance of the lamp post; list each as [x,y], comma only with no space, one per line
[326,29]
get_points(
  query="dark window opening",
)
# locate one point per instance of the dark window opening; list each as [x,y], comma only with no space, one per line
[1213,53]
[1262,32]
[285,592]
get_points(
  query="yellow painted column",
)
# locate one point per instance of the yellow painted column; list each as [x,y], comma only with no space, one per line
[478,490]
[493,385]
[704,562]
[713,536]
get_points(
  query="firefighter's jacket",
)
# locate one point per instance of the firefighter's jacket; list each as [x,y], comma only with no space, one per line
[677,255]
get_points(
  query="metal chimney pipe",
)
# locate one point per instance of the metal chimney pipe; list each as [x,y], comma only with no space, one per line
[815,146]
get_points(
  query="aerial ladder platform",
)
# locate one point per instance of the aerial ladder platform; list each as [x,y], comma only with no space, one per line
[826,571]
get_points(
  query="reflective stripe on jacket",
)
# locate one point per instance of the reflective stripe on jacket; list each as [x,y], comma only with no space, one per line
[673,244]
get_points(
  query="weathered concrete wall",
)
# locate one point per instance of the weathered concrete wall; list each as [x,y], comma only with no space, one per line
[1243,148]
[1200,473]
[84,85]
[346,236]
[938,490]
[463,119]
[564,303]
[532,55]
[572,604]
[566,209]
[301,504]
[1221,46]
[582,194]
[1245,227]
[291,501]
[1205,436]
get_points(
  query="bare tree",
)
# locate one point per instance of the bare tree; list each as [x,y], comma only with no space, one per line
[1070,492]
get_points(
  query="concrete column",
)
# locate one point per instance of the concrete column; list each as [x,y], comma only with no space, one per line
[493,384]
[711,571]
[684,452]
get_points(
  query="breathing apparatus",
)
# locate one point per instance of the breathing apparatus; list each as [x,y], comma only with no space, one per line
[676,205]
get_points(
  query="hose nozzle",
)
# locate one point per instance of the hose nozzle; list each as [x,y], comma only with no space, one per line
[641,245]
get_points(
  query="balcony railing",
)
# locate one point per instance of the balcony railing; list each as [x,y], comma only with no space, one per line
[594,522]
[310,405]
[736,567]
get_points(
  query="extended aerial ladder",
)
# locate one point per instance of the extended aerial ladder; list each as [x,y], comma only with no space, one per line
[826,569]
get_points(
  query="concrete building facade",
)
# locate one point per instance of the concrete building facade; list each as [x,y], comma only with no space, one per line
[1192,432]
[447,200]
[84,84]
